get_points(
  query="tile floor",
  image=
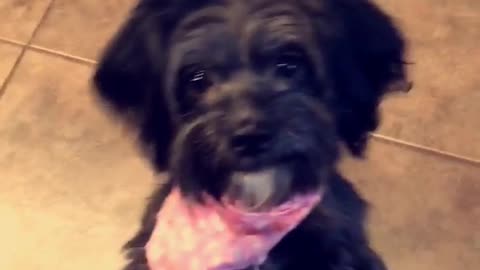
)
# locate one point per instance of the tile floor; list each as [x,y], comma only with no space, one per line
[73,183]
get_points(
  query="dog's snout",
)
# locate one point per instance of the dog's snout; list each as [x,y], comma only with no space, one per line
[251,141]
[250,133]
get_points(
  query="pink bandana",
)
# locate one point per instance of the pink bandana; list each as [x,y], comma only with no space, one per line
[216,236]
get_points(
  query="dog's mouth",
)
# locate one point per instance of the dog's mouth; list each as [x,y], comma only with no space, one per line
[260,190]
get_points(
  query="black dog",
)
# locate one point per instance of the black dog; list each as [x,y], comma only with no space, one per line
[226,88]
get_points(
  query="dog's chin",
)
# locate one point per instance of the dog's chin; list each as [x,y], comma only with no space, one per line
[262,183]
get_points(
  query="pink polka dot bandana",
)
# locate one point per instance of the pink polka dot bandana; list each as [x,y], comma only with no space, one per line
[217,236]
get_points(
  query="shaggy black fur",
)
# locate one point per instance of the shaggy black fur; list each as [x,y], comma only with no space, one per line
[221,86]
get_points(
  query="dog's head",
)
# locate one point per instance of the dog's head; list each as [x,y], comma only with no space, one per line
[236,97]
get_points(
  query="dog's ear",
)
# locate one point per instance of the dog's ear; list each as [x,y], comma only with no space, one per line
[369,63]
[129,78]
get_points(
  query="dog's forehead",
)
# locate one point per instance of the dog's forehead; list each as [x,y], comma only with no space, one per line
[220,32]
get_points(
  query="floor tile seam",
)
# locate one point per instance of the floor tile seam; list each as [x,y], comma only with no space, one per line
[41,22]
[24,47]
[31,45]
[12,42]
[425,149]
[13,69]
[61,54]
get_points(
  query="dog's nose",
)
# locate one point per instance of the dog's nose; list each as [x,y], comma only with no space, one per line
[250,142]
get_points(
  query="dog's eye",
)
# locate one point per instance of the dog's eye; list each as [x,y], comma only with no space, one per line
[289,65]
[196,78]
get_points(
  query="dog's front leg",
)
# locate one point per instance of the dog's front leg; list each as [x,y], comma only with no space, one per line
[361,258]
[367,259]
[135,248]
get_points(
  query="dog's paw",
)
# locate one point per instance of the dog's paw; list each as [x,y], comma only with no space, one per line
[137,259]
[136,267]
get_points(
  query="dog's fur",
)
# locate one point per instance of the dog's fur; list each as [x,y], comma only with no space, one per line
[209,82]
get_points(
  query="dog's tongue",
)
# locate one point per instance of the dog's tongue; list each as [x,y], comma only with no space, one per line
[260,190]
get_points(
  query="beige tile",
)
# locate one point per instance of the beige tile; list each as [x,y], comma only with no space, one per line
[18,18]
[82,27]
[442,110]
[72,185]
[8,56]
[425,209]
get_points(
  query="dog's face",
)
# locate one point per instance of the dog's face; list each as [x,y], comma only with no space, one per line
[251,99]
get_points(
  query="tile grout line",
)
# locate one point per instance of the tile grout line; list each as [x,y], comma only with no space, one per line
[426,149]
[40,22]
[24,47]
[78,59]
[9,76]
[12,42]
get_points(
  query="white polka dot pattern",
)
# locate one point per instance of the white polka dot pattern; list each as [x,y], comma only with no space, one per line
[216,236]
